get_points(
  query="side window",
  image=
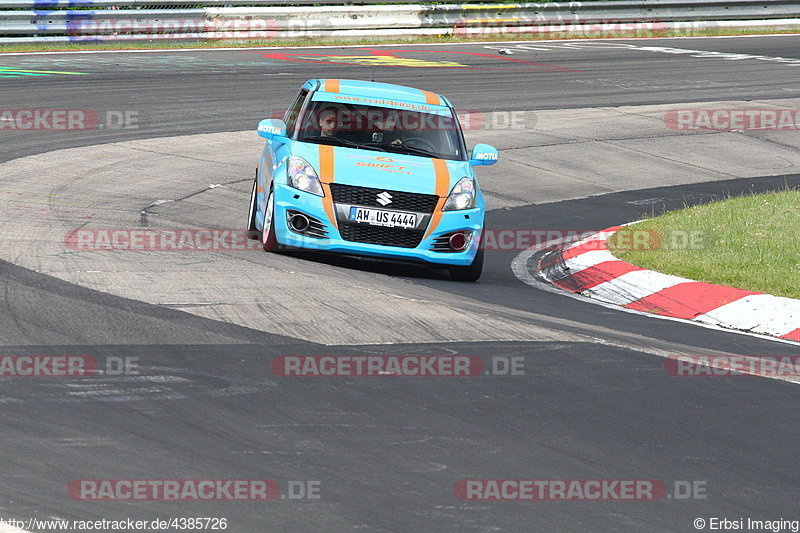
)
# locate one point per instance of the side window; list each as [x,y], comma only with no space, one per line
[294,111]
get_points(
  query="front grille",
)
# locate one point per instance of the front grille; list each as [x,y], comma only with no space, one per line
[404,238]
[366,196]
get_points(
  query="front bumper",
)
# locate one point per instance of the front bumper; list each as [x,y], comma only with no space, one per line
[289,198]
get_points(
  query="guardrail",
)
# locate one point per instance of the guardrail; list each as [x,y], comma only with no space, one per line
[77,20]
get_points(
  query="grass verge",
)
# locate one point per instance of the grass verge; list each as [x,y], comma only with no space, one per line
[445,38]
[750,242]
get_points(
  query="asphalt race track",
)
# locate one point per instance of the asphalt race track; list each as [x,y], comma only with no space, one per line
[584,145]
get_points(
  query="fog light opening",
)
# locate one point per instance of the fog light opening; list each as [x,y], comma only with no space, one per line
[459,241]
[299,223]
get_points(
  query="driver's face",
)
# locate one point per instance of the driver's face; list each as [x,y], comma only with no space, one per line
[328,124]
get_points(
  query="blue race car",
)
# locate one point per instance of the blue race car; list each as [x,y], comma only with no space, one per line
[371,169]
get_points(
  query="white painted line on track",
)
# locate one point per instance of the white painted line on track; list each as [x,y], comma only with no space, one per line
[385,45]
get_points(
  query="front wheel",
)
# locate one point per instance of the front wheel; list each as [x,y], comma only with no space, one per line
[268,237]
[471,272]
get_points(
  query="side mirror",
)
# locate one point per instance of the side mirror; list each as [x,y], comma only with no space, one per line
[483,154]
[272,128]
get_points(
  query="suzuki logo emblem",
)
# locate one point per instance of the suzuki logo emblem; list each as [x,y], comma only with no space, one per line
[384,198]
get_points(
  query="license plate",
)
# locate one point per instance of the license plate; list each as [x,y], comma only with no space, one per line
[379,217]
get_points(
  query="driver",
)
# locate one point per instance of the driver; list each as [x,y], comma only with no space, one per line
[328,123]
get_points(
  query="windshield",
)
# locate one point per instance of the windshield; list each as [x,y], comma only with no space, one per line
[382,129]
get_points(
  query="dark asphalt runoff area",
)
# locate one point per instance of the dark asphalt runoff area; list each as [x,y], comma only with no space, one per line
[387,453]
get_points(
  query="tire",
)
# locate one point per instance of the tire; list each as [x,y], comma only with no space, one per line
[471,272]
[268,237]
[252,230]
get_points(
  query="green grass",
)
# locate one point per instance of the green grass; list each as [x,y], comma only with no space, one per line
[750,242]
[156,45]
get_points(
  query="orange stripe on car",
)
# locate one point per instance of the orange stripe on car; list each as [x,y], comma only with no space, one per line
[326,177]
[442,190]
[331,86]
[431,98]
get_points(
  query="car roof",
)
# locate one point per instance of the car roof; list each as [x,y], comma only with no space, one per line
[374,89]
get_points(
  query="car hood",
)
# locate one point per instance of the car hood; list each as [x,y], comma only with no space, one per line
[381,170]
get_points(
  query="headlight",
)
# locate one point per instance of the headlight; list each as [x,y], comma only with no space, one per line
[303,177]
[462,196]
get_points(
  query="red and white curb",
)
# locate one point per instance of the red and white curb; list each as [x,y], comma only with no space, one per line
[588,268]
